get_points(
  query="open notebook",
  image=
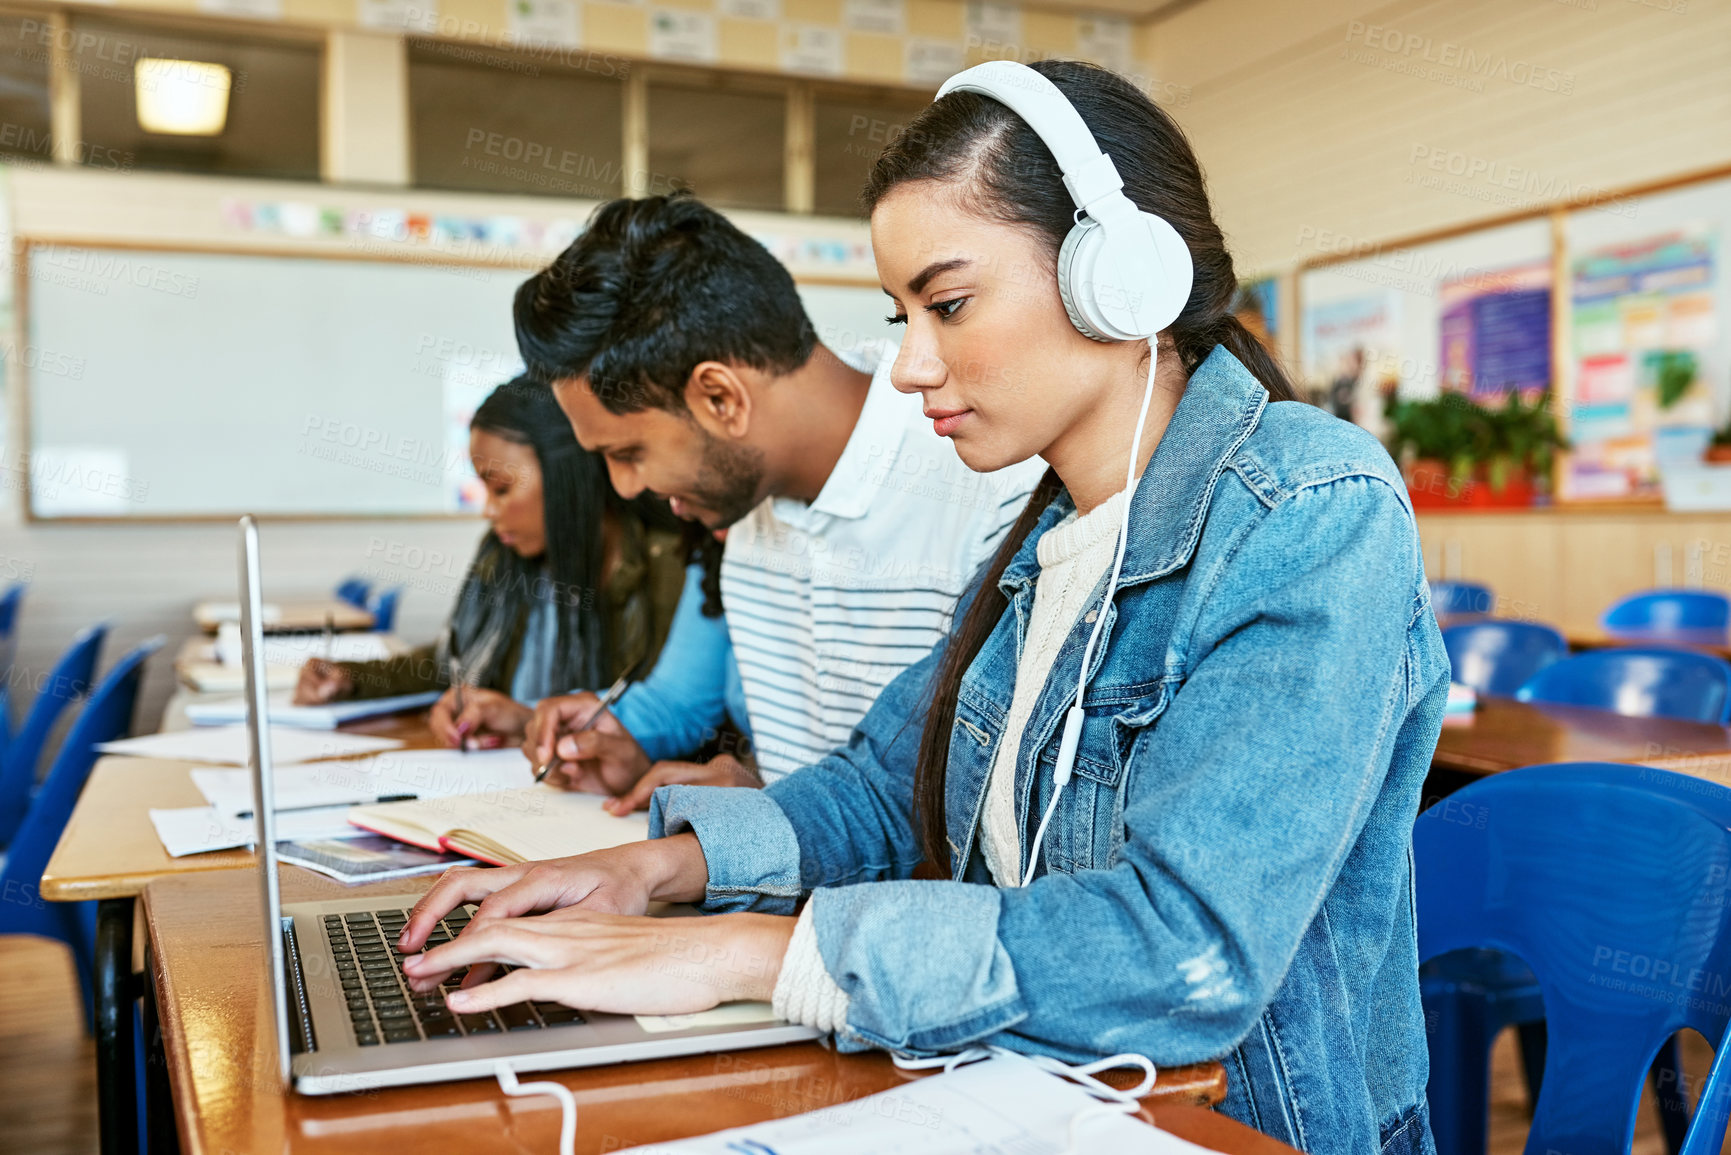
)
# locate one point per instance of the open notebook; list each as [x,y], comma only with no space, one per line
[505,827]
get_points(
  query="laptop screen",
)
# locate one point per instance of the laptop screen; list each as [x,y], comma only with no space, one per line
[263,781]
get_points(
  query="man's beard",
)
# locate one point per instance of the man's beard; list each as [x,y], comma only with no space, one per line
[729,481]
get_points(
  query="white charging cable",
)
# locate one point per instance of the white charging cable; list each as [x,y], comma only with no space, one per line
[567,1102]
[1073,717]
[1112,1100]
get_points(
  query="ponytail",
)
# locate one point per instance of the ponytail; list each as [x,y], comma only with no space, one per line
[1195,344]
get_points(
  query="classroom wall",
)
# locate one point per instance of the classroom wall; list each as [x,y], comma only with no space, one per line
[145,577]
[1340,123]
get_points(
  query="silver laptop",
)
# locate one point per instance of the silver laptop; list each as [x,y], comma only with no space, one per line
[346,1020]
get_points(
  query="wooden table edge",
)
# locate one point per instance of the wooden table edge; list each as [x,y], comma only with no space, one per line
[132,885]
[175,1055]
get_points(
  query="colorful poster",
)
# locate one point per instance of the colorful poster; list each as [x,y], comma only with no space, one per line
[1642,315]
[1495,331]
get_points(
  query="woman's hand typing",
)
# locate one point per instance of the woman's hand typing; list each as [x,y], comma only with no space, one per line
[610,962]
[621,880]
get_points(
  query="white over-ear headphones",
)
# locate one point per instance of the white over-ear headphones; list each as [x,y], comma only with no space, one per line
[1124,274]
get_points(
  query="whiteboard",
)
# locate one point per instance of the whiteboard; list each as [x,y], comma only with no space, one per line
[179,384]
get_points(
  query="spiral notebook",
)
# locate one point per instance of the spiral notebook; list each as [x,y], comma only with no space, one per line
[505,827]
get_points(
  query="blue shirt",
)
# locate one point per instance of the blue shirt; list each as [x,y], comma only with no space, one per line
[1228,875]
[694,687]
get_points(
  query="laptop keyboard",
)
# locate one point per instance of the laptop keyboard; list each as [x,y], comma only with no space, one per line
[382,1008]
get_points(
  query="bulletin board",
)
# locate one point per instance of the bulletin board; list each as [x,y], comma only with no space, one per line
[1648,365]
[1468,312]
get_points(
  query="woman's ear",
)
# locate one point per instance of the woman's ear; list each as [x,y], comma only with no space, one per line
[719,399]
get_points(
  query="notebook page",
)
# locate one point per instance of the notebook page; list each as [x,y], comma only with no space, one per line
[538,822]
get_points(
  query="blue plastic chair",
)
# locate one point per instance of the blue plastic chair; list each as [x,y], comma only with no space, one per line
[1613,884]
[383,605]
[1497,657]
[71,678]
[1640,682]
[354,590]
[1456,599]
[1685,615]
[106,717]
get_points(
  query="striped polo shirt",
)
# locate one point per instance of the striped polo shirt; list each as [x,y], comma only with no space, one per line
[827,602]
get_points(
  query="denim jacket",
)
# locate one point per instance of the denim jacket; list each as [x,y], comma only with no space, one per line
[1228,874]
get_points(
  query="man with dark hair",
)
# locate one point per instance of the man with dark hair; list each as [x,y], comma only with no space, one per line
[680,351]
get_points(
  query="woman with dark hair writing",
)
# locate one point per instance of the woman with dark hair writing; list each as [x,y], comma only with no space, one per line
[570,586]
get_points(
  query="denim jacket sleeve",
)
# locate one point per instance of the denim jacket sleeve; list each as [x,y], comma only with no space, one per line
[683,700]
[844,820]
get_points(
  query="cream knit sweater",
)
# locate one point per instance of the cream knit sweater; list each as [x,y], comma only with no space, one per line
[1074,555]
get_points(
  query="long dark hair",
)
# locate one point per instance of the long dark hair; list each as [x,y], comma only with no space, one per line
[1004,172]
[502,586]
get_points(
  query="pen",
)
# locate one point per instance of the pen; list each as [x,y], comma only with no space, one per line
[457,683]
[330,636]
[333,805]
[607,699]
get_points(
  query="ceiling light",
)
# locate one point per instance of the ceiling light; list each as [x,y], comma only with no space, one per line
[181,97]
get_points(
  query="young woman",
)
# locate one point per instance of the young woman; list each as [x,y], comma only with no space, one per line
[1227,874]
[570,585]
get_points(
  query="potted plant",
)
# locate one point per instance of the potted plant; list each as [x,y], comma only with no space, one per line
[1525,443]
[1457,452]
[1438,442]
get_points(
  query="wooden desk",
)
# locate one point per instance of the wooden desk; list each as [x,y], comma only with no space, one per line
[108,852]
[208,975]
[301,614]
[1503,734]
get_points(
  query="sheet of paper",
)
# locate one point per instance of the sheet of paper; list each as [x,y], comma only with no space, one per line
[1002,1106]
[423,773]
[227,745]
[283,711]
[197,829]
